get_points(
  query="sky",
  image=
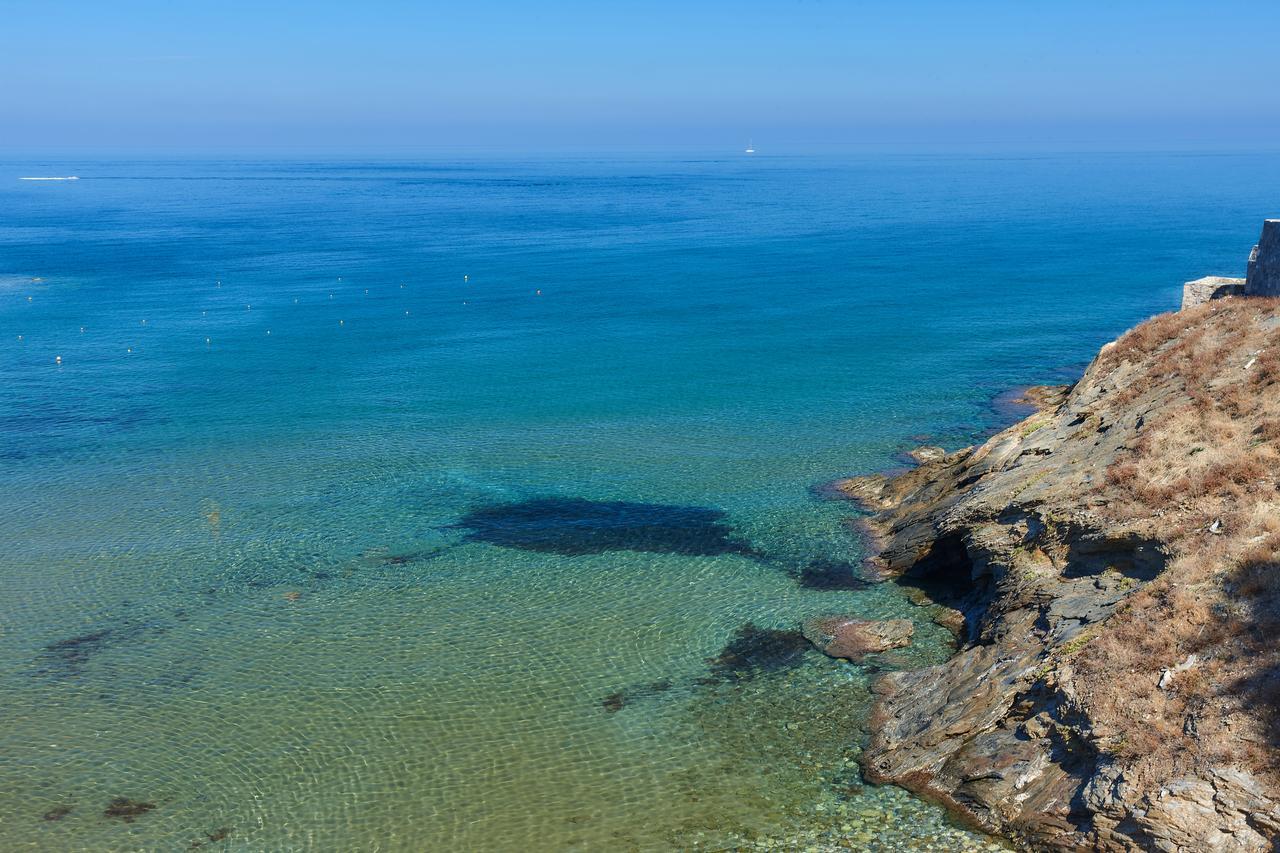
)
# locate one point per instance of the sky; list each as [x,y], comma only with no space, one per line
[381,76]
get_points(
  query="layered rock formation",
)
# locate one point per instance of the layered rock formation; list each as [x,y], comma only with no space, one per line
[1112,565]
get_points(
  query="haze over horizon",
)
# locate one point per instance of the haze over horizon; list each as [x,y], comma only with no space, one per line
[149,77]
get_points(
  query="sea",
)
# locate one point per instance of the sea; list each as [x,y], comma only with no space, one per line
[474,502]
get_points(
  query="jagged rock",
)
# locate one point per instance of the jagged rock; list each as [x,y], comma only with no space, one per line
[867,490]
[1044,397]
[1224,810]
[951,619]
[853,638]
[1018,539]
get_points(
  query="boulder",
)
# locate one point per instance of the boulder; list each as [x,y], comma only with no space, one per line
[927,453]
[853,638]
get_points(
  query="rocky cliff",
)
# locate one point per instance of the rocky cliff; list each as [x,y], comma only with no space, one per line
[1111,566]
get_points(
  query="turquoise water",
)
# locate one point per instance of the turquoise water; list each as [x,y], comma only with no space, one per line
[427,505]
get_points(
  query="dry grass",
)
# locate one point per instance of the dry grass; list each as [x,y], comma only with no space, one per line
[1202,477]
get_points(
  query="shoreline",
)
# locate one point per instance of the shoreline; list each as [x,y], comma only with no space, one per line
[863,490]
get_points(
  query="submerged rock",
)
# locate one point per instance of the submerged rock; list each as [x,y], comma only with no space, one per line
[853,638]
[927,453]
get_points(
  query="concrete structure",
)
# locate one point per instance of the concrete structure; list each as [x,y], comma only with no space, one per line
[1263,277]
[1210,287]
[1264,262]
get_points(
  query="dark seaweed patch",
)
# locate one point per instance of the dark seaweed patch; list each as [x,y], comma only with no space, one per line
[57,812]
[215,836]
[176,675]
[383,557]
[615,702]
[830,575]
[68,657]
[409,559]
[126,809]
[573,526]
[755,650]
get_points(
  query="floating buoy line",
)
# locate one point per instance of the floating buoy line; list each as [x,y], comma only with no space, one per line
[58,361]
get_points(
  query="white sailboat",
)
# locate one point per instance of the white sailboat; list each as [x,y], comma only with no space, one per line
[751,148]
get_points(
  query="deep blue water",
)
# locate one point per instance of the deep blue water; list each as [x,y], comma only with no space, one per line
[362,487]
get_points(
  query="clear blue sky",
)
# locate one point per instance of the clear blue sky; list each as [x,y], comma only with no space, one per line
[398,76]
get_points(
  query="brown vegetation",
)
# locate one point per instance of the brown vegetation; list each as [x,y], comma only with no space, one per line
[1202,477]
[1115,561]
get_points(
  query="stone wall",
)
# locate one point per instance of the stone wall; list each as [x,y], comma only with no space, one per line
[1264,262]
[1262,279]
[1210,287]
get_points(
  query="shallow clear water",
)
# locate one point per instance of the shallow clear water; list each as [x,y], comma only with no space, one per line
[314,544]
